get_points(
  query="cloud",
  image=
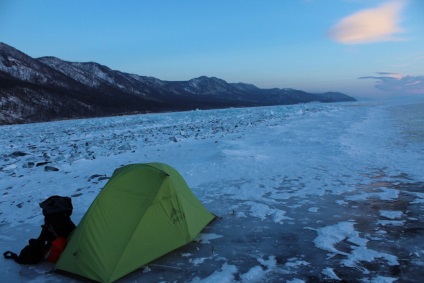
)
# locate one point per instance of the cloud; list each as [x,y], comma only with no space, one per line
[398,83]
[391,75]
[370,25]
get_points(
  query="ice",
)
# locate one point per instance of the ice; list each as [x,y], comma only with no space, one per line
[313,209]
[262,211]
[391,222]
[329,272]
[304,193]
[255,274]
[224,275]
[295,281]
[381,279]
[391,214]
[363,254]
[206,238]
[329,236]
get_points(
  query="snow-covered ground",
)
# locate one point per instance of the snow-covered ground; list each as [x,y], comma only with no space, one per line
[307,193]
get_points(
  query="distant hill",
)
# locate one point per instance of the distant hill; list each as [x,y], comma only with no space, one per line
[48,88]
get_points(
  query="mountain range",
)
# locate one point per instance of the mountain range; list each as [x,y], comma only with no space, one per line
[48,88]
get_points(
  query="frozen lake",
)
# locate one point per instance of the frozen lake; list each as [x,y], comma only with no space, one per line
[306,193]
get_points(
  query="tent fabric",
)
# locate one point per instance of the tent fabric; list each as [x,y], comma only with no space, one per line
[143,212]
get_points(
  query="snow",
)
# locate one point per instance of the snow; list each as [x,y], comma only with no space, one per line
[304,192]
[329,236]
[391,214]
[329,272]
[206,238]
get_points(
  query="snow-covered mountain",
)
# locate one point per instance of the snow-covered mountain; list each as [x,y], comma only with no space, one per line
[48,88]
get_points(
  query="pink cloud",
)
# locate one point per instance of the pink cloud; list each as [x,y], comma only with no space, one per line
[398,83]
[370,25]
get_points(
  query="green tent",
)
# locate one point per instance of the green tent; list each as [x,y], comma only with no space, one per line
[143,212]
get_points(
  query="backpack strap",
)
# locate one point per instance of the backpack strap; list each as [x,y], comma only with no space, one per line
[10,255]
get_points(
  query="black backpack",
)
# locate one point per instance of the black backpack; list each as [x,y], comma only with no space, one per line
[57,212]
[32,253]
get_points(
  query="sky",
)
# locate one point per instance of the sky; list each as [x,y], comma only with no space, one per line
[364,48]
